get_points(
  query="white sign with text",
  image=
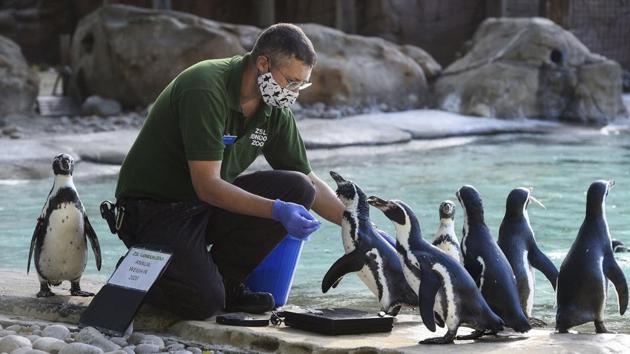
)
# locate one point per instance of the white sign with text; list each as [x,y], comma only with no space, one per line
[139,269]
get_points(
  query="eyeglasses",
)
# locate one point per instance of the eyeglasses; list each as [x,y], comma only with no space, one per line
[291,84]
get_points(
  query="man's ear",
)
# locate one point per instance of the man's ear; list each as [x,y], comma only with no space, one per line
[262,64]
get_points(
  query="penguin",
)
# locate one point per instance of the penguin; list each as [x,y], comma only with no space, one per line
[517,241]
[445,237]
[368,253]
[443,286]
[59,240]
[583,278]
[619,247]
[487,264]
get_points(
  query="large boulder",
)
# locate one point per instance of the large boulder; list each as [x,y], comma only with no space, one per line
[361,71]
[530,67]
[19,83]
[130,54]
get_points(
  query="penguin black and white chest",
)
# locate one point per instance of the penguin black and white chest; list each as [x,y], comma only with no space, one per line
[368,253]
[487,264]
[59,241]
[442,284]
[584,273]
[445,237]
[516,240]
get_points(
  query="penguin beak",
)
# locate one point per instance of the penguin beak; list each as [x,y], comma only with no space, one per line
[378,202]
[336,177]
[536,201]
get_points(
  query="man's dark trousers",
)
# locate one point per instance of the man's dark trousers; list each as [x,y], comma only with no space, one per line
[192,285]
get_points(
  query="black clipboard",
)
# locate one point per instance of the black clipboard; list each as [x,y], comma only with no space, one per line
[114,307]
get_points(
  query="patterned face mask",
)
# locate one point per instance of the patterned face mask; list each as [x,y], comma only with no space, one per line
[273,94]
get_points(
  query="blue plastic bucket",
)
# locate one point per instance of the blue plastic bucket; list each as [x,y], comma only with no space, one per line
[275,273]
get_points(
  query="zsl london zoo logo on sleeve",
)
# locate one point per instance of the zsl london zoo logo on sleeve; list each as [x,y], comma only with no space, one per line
[258,137]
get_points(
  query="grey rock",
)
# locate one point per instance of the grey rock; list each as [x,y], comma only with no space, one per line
[531,67]
[37,332]
[4,332]
[16,328]
[90,335]
[194,350]
[120,341]
[80,348]
[119,351]
[33,337]
[12,342]
[49,344]
[100,106]
[35,327]
[135,338]
[112,56]
[19,83]
[28,350]
[175,346]
[145,348]
[152,339]
[130,349]
[181,352]
[56,331]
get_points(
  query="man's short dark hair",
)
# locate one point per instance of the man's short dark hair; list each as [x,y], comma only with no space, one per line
[283,41]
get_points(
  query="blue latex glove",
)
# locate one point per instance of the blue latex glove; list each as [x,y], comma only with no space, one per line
[295,218]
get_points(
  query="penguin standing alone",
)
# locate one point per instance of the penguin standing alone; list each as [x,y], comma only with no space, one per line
[445,237]
[583,278]
[516,240]
[59,240]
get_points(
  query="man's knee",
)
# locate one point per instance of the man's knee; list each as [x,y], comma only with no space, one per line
[302,190]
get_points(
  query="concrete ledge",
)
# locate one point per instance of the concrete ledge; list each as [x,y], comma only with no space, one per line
[17,298]
[18,301]
[404,338]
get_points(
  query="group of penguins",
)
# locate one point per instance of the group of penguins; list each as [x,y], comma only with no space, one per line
[490,284]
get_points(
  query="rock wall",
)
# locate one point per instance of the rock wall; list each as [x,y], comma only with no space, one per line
[531,68]
[18,82]
[130,54]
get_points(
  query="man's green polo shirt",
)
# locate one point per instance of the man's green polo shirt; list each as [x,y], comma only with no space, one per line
[188,122]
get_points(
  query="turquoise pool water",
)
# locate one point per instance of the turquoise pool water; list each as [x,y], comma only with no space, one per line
[560,169]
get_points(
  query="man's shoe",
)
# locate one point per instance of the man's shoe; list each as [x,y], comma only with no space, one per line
[238,298]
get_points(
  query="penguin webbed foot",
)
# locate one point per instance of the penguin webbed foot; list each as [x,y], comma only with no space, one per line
[393,311]
[476,334]
[44,290]
[75,290]
[601,328]
[536,322]
[438,340]
[448,338]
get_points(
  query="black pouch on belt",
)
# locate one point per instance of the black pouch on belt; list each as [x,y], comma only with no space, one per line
[114,214]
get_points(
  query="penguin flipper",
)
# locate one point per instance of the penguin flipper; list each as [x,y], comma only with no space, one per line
[429,286]
[539,261]
[37,233]
[91,235]
[348,263]
[615,274]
